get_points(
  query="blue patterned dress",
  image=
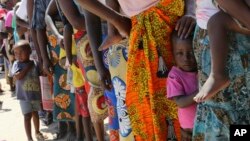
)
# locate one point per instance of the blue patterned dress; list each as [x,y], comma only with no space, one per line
[231,105]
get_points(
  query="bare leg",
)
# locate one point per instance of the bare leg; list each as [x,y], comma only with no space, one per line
[99,129]
[36,121]
[71,131]
[218,26]
[238,9]
[86,122]
[27,125]
[79,135]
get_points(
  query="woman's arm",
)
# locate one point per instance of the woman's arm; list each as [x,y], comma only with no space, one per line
[51,12]
[121,23]
[186,23]
[95,37]
[67,34]
[72,14]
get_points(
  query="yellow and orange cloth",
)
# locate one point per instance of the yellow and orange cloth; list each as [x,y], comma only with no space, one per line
[146,100]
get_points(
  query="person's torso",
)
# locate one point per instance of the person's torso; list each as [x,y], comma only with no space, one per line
[28,88]
[189,82]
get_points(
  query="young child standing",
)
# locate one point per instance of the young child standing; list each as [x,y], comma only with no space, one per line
[28,92]
[182,84]
[233,16]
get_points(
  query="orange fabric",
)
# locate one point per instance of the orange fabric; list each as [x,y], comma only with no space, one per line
[146,91]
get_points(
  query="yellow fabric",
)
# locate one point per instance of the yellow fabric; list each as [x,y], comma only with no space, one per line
[63,52]
[78,80]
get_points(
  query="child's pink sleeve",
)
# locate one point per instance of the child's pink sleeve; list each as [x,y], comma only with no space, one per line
[174,87]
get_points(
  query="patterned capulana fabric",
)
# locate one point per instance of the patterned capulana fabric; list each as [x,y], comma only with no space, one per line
[230,106]
[149,60]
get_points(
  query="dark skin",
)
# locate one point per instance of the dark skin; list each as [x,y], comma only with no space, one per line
[185,60]
[41,44]
[218,27]
[184,26]
[76,19]
[113,34]
[94,34]
[22,55]
[33,32]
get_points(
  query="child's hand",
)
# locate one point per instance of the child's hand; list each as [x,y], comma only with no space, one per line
[185,25]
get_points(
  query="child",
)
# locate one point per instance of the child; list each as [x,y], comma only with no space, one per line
[218,25]
[26,74]
[182,84]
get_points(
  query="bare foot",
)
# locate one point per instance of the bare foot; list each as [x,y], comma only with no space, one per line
[109,41]
[211,87]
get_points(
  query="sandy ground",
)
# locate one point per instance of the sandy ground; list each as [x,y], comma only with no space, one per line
[11,118]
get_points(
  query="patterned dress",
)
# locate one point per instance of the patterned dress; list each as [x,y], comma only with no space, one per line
[63,109]
[231,105]
[117,60]
[150,57]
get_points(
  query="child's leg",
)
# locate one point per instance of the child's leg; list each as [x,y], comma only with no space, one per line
[27,125]
[99,129]
[218,26]
[71,131]
[36,122]
[238,9]
[86,122]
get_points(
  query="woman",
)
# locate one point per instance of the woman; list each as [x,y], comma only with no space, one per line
[231,105]
[149,58]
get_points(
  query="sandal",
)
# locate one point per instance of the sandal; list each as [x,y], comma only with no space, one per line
[40,137]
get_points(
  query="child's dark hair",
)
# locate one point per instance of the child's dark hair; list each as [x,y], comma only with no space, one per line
[22,44]
[175,38]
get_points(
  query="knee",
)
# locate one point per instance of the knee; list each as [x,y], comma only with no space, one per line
[27,117]
[217,21]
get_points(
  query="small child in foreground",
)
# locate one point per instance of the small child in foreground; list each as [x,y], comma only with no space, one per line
[26,73]
[182,84]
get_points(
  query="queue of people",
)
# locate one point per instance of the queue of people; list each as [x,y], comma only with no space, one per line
[173,70]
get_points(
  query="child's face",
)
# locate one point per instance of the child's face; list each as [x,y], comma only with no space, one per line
[184,56]
[22,54]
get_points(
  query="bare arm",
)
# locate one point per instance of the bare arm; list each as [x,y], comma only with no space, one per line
[186,23]
[122,23]
[72,14]
[94,33]
[50,12]
[22,23]
[21,74]
[30,5]
[67,34]
[185,101]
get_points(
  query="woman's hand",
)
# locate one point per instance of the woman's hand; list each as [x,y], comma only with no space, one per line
[105,79]
[123,25]
[185,26]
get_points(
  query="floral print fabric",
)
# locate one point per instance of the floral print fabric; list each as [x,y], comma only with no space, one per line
[149,43]
[231,105]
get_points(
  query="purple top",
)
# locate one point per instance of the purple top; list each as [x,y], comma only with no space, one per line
[28,88]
